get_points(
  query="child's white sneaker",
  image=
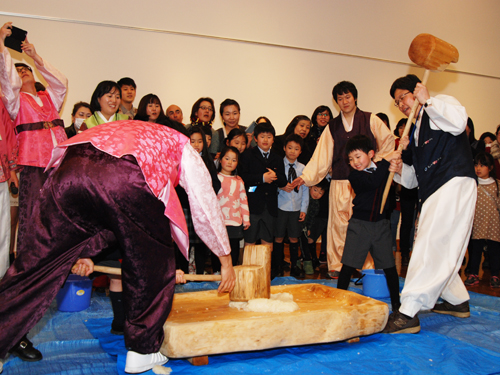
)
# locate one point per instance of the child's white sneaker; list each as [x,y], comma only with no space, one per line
[137,362]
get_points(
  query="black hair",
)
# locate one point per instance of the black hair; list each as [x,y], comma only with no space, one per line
[317,111]
[290,129]
[488,134]
[207,130]
[17,65]
[487,160]
[400,123]
[264,127]
[323,184]
[205,155]
[197,105]
[294,138]
[142,109]
[227,103]
[102,89]
[126,81]
[267,120]
[344,87]
[233,134]
[39,86]
[78,105]
[408,82]
[359,142]
[472,135]
[223,152]
[384,118]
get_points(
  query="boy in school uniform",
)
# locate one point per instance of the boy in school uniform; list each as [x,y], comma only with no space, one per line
[313,226]
[263,173]
[368,229]
[292,208]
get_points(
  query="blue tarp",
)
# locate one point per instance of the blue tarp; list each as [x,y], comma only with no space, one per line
[80,343]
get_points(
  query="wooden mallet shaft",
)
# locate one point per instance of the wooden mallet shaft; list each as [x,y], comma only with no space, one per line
[253,278]
[435,55]
[187,276]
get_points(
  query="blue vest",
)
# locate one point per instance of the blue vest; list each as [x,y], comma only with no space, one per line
[439,157]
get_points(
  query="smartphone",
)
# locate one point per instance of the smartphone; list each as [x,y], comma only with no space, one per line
[16,38]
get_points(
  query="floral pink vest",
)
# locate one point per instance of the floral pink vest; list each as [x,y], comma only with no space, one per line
[34,127]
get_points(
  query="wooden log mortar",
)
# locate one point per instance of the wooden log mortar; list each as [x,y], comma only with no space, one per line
[203,323]
[253,278]
[435,55]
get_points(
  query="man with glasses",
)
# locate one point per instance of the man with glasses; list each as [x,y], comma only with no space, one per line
[442,168]
[38,127]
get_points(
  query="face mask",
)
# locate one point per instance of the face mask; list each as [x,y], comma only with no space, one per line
[78,123]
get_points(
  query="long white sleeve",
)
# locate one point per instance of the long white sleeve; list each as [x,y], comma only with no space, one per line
[447,114]
[205,210]
[11,84]
[317,168]
[57,83]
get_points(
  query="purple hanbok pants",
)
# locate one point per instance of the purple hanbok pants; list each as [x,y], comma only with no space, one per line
[93,199]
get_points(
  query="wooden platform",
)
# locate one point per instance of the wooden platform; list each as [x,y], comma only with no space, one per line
[202,323]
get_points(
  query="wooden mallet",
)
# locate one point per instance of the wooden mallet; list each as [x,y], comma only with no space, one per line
[253,277]
[434,55]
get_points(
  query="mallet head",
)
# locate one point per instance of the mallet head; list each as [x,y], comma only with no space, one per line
[432,53]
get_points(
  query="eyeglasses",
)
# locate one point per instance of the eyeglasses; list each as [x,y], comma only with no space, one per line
[207,109]
[323,114]
[23,69]
[396,102]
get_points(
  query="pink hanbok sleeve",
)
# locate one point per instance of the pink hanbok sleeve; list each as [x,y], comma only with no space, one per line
[245,213]
[11,84]
[58,83]
[205,209]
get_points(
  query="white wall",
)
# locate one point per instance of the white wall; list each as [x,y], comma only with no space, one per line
[276,58]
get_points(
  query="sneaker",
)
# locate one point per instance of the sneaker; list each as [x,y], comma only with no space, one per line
[399,323]
[495,282]
[137,362]
[333,274]
[460,311]
[308,267]
[471,280]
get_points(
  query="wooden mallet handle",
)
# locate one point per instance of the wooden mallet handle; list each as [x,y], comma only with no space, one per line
[400,147]
[187,276]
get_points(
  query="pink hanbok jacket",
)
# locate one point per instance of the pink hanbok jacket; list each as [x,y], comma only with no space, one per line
[166,159]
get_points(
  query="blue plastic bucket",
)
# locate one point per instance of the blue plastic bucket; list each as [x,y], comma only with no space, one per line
[375,284]
[75,294]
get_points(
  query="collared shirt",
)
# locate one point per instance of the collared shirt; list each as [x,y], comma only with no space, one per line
[371,168]
[265,154]
[130,113]
[293,201]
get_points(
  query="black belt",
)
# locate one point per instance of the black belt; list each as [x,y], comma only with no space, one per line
[40,125]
